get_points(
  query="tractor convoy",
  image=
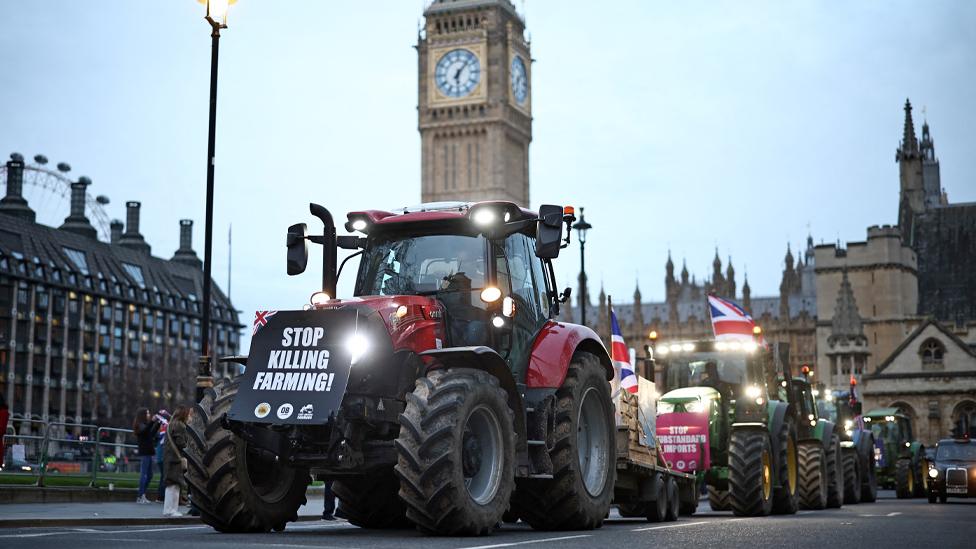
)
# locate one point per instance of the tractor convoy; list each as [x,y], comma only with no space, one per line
[445,396]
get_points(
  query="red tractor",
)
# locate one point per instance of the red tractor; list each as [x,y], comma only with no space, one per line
[443,394]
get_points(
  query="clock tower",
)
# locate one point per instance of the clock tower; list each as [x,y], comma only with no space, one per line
[475,116]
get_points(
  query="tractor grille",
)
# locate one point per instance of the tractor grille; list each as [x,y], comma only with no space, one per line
[956,477]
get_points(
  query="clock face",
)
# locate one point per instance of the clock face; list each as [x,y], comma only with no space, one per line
[457,73]
[520,80]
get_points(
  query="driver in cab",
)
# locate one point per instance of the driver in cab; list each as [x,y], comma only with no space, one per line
[466,321]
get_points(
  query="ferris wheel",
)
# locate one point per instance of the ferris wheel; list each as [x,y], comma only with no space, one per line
[48,192]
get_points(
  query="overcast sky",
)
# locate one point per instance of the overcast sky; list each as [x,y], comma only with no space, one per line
[678,125]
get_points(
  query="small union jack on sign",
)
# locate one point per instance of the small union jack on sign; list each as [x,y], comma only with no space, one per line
[260,319]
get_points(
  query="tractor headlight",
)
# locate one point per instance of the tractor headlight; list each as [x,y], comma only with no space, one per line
[848,424]
[753,391]
[358,223]
[490,294]
[484,217]
[662,350]
[357,344]
[319,298]
[908,445]
[933,473]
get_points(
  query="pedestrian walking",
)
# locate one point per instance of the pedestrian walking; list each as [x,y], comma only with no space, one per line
[174,462]
[160,447]
[145,428]
[328,504]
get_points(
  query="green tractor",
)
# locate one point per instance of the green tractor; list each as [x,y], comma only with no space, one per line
[900,458]
[856,441]
[821,462]
[752,439]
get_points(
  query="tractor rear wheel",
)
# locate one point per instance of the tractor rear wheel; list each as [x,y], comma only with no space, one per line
[835,474]
[852,477]
[904,479]
[583,454]
[657,510]
[673,503]
[869,477]
[235,488]
[813,475]
[750,473]
[371,501]
[718,500]
[456,453]
[785,496]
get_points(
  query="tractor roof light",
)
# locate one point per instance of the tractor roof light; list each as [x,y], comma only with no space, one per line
[663,350]
[319,299]
[756,331]
[749,346]
[675,347]
[357,222]
[653,335]
[721,346]
[484,217]
[688,347]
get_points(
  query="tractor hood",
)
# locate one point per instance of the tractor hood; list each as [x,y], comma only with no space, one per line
[689,394]
[301,363]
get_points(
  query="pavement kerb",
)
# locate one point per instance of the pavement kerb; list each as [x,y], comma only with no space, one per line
[113,521]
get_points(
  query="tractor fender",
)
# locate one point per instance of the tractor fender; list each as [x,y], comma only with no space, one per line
[553,350]
[777,416]
[824,431]
[487,360]
[918,452]
[864,442]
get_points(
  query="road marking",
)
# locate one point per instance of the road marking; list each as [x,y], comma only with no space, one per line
[671,526]
[892,514]
[91,531]
[546,540]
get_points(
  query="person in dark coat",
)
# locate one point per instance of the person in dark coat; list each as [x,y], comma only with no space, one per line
[145,428]
[174,464]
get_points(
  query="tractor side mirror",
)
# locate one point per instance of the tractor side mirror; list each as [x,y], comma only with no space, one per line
[548,233]
[297,249]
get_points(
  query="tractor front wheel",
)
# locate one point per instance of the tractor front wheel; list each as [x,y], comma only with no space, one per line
[904,479]
[869,477]
[583,453]
[852,478]
[813,475]
[371,501]
[718,500]
[835,474]
[785,500]
[750,473]
[235,488]
[456,453]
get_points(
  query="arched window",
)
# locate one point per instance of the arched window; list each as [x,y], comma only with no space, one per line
[964,417]
[932,351]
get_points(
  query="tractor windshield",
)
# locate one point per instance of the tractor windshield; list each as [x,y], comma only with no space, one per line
[888,431]
[448,266]
[720,371]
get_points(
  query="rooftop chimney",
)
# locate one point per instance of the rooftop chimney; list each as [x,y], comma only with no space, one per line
[116,231]
[131,237]
[13,203]
[185,254]
[76,221]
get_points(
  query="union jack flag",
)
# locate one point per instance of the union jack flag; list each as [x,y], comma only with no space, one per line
[621,356]
[260,319]
[729,320]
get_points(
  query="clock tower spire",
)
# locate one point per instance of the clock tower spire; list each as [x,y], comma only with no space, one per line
[474,110]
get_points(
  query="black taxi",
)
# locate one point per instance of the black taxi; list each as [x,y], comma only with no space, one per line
[952,473]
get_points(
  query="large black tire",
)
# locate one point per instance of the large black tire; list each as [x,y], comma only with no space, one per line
[750,473]
[718,500]
[234,488]
[688,508]
[578,495]
[673,503]
[852,477]
[631,510]
[785,493]
[869,477]
[657,510]
[456,453]
[371,501]
[904,479]
[835,474]
[921,478]
[813,475]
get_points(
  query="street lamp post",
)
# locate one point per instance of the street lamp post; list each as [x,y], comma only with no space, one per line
[217,17]
[582,227]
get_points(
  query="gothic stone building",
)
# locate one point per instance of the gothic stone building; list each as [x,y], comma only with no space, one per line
[92,330]
[788,317]
[898,311]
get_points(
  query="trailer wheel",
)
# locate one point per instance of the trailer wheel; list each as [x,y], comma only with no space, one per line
[235,488]
[456,453]
[371,501]
[657,510]
[835,474]
[785,494]
[583,455]
[750,473]
[869,478]
[673,503]
[813,475]
[718,500]
[904,479]
[852,478]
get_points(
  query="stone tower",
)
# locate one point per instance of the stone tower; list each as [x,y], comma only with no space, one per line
[475,117]
[918,173]
[847,346]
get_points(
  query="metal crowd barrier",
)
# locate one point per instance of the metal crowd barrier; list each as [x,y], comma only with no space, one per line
[40,453]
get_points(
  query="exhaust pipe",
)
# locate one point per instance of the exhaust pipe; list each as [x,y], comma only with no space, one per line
[329,248]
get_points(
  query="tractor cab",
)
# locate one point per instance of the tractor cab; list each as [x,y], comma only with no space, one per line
[892,432]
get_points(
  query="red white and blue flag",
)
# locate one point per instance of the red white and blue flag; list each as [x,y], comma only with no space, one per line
[729,320]
[621,357]
[260,319]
